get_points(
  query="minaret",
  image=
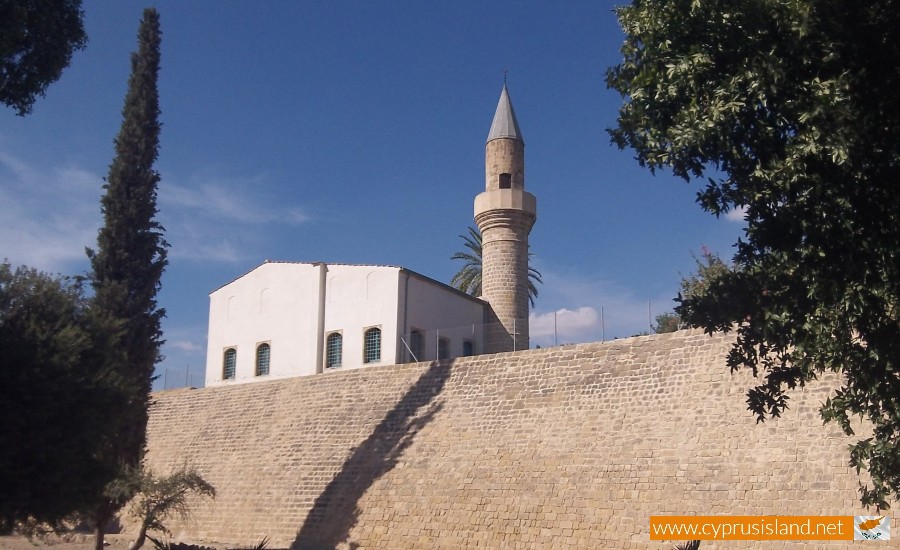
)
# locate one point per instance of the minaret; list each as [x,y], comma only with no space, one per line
[505,213]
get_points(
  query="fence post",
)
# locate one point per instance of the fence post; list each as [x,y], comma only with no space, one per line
[602,326]
[515,335]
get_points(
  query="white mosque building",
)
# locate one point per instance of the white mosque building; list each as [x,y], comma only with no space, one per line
[286,319]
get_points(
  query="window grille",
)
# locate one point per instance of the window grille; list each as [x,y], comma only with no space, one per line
[229,364]
[263,351]
[443,348]
[468,348]
[417,344]
[334,348]
[372,351]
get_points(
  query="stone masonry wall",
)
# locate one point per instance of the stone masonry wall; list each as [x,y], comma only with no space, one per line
[504,156]
[567,447]
[504,283]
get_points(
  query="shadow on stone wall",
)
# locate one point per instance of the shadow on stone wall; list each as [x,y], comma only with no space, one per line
[336,510]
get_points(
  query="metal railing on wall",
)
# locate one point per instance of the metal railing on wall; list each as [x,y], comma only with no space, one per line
[450,342]
[169,379]
[463,340]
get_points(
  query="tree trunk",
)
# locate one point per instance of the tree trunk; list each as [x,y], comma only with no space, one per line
[141,538]
[99,533]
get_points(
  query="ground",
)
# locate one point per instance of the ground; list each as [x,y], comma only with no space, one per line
[77,542]
[74,542]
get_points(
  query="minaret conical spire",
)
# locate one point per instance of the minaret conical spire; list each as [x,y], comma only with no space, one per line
[505,124]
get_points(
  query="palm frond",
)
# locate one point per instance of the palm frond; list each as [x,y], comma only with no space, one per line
[534,276]
[468,258]
[468,278]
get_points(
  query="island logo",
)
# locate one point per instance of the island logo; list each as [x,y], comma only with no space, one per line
[871,528]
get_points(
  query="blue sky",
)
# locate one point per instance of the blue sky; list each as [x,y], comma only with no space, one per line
[353,131]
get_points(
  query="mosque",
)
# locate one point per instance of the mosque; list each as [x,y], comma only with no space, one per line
[285,319]
[568,447]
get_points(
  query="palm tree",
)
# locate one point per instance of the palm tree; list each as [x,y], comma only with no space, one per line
[468,278]
[692,545]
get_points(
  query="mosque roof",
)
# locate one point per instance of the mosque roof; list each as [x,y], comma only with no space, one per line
[374,266]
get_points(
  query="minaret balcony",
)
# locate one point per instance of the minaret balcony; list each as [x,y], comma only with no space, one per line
[506,199]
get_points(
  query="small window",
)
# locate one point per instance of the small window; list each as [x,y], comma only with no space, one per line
[372,352]
[468,348]
[263,352]
[334,350]
[505,181]
[417,344]
[229,364]
[443,348]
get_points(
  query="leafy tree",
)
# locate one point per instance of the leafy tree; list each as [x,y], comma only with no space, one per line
[51,401]
[128,264]
[37,40]
[709,268]
[161,498]
[789,111]
[468,278]
[667,322]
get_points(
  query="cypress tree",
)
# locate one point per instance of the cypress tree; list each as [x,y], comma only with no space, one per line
[126,271]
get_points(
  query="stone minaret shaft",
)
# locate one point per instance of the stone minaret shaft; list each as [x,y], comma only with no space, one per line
[505,213]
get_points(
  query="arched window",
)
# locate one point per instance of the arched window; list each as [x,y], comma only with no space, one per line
[372,350]
[468,348]
[263,351]
[417,344]
[334,349]
[443,348]
[229,363]
[505,181]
